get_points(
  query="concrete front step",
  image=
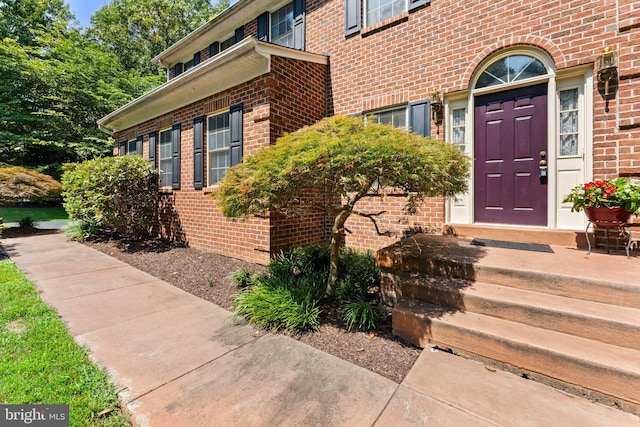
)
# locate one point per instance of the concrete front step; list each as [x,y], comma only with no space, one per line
[452,258]
[592,320]
[604,368]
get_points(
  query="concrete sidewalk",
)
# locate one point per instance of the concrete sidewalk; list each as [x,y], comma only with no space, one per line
[182,361]
[42,225]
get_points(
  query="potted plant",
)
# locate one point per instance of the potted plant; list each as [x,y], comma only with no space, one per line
[606,201]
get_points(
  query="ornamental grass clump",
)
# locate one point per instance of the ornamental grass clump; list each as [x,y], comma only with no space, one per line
[290,296]
[615,193]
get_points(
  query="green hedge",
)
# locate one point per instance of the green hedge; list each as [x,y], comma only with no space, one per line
[112,194]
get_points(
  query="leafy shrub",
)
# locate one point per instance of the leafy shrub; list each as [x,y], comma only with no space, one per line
[112,194]
[289,295]
[19,184]
[27,222]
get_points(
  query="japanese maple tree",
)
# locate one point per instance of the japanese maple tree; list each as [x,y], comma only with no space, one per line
[332,165]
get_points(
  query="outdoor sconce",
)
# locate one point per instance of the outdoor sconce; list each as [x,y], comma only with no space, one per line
[436,104]
[607,68]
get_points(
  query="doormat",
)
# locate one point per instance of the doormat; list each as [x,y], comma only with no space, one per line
[534,247]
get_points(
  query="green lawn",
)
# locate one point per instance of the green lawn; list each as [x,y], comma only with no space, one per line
[37,213]
[41,364]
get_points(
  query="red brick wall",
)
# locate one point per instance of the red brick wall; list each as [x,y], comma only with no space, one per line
[298,100]
[191,215]
[397,223]
[627,100]
[441,45]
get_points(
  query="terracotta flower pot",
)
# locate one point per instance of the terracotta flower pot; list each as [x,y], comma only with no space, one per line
[607,217]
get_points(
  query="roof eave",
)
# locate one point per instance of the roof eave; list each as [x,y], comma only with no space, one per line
[244,61]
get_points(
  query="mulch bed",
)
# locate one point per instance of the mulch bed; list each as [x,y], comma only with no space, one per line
[193,271]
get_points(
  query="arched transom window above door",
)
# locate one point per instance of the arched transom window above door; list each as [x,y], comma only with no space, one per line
[511,69]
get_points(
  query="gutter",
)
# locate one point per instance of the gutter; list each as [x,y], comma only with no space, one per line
[106,130]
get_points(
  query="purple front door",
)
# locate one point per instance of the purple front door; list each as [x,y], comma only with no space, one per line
[510,138]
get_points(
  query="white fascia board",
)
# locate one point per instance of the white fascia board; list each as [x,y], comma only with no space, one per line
[242,62]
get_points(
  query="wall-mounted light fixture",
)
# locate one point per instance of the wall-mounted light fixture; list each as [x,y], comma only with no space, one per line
[436,105]
[607,68]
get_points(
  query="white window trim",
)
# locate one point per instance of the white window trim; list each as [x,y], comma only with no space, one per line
[160,158]
[459,209]
[218,150]
[546,61]
[366,13]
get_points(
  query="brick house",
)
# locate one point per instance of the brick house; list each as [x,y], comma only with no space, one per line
[518,82]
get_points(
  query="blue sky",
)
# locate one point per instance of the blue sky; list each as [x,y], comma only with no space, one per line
[83,9]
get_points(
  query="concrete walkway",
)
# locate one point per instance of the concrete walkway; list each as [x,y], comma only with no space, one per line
[182,361]
[42,225]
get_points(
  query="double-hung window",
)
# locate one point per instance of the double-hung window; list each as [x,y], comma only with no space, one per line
[380,10]
[218,147]
[166,168]
[282,26]
[132,146]
[413,117]
[397,117]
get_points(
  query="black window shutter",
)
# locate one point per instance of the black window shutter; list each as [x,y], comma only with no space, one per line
[239,35]
[139,145]
[263,27]
[123,148]
[419,118]
[175,156]
[352,19]
[214,49]
[414,4]
[235,122]
[198,165]
[196,58]
[152,149]
[298,24]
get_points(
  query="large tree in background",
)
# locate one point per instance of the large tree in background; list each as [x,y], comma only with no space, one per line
[53,89]
[56,81]
[19,18]
[138,30]
[341,160]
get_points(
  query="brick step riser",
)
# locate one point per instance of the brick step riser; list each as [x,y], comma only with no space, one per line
[602,379]
[566,286]
[550,237]
[603,330]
